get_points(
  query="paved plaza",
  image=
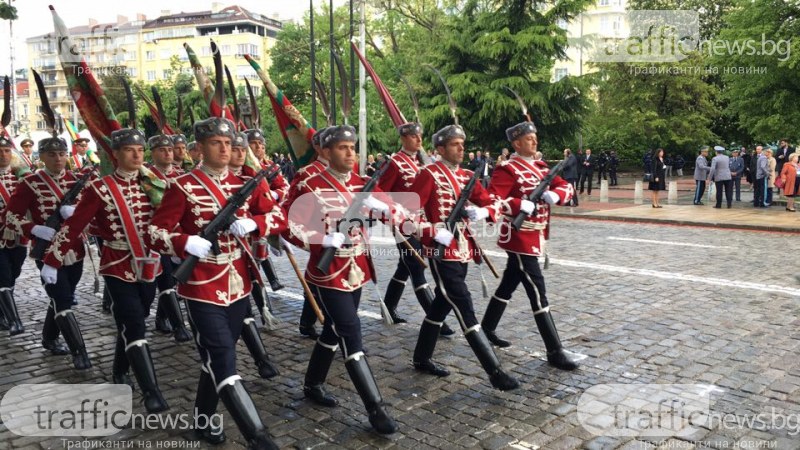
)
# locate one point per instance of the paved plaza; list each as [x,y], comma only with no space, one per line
[644,302]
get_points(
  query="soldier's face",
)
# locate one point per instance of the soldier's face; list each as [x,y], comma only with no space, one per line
[342,156]
[526,145]
[411,143]
[27,148]
[178,152]
[129,157]
[452,151]
[258,149]
[238,155]
[5,156]
[162,156]
[216,151]
[54,162]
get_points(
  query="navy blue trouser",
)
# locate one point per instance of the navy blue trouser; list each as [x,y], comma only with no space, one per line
[523,269]
[11,261]
[342,324]
[408,265]
[452,293]
[130,304]
[61,295]
[216,330]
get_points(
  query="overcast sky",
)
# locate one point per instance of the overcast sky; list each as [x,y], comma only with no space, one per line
[35,19]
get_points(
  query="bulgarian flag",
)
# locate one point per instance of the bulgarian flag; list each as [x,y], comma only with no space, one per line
[295,129]
[391,107]
[73,135]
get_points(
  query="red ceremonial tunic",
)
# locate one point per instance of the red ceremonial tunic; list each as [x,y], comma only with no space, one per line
[517,178]
[35,199]
[278,185]
[310,216]
[401,173]
[8,184]
[188,206]
[173,172]
[97,204]
[438,186]
[303,174]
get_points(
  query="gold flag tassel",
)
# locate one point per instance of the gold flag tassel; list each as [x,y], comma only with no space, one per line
[270,321]
[387,318]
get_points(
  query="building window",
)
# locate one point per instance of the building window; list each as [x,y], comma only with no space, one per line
[165,74]
[605,25]
[25,110]
[41,125]
[604,2]
[205,51]
[71,108]
[561,73]
[151,75]
[225,50]
[129,55]
[39,109]
[131,71]
[150,55]
[241,49]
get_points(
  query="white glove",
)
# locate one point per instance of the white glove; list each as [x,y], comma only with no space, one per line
[551,197]
[527,206]
[49,274]
[66,211]
[334,240]
[275,195]
[243,227]
[43,232]
[475,214]
[444,237]
[285,245]
[197,246]
[376,205]
[175,259]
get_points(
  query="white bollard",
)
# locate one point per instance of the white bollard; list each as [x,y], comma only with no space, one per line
[604,191]
[672,194]
[637,193]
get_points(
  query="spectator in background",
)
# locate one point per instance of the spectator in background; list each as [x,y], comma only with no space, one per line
[504,153]
[677,164]
[746,159]
[789,175]
[647,162]
[700,175]
[570,172]
[371,166]
[613,163]
[737,168]
[657,180]
[720,173]
[668,162]
[760,170]
[782,154]
[602,167]
[472,163]
[587,167]
[771,164]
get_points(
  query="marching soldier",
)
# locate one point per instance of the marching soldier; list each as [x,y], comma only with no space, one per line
[439,186]
[169,318]
[13,246]
[339,292]
[121,209]
[180,157]
[399,177]
[307,316]
[36,198]
[517,178]
[195,156]
[250,334]
[218,289]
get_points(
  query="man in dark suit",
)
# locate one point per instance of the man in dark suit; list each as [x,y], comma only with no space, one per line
[587,167]
[782,154]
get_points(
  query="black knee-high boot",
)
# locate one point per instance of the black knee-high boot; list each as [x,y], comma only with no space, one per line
[50,332]
[205,405]
[426,343]
[168,301]
[555,352]
[68,325]
[488,359]
[425,296]
[367,389]
[240,405]
[494,311]
[255,346]
[316,374]
[141,362]
[119,369]
[9,308]
[394,291]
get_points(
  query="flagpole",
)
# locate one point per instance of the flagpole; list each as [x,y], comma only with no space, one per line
[333,65]
[362,93]
[313,66]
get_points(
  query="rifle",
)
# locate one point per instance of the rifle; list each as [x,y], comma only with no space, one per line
[537,193]
[352,212]
[55,220]
[221,222]
[458,210]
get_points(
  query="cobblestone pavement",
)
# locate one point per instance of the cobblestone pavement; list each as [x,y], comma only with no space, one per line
[640,303]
